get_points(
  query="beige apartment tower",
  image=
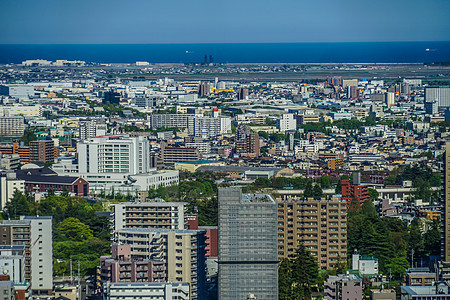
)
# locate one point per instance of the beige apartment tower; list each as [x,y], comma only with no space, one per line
[321,225]
[445,241]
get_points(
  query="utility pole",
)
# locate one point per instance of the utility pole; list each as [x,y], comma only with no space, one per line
[389,281]
[79,281]
[71,277]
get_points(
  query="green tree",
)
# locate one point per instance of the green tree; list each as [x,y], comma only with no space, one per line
[73,230]
[304,272]
[262,183]
[20,205]
[285,279]
[308,192]
[325,182]
[264,134]
[373,194]
[317,192]
[422,189]
[432,238]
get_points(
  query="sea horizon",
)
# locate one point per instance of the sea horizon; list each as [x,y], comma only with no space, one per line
[241,53]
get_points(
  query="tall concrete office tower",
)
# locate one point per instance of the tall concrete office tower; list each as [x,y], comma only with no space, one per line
[445,241]
[247,245]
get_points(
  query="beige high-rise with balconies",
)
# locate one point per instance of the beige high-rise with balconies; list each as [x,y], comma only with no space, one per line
[445,217]
[321,225]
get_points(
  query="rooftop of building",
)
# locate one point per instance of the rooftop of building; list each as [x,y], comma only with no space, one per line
[25,220]
[441,289]
[237,169]
[257,198]
[12,247]
[200,162]
[150,204]
[344,277]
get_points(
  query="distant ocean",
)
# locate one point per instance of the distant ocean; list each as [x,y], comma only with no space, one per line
[376,52]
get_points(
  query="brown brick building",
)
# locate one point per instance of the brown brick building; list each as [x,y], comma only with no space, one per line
[350,191]
[42,151]
[320,225]
[179,154]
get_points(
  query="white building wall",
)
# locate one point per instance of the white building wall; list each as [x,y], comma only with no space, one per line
[41,253]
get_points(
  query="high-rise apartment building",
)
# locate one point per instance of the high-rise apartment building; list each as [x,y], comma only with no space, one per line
[431,107]
[183,251]
[208,127]
[35,233]
[120,267]
[445,218]
[111,97]
[12,126]
[247,143]
[320,225]
[389,99]
[242,94]
[248,261]
[92,129]
[153,215]
[354,190]
[287,122]
[204,89]
[15,148]
[170,120]
[439,94]
[42,151]
[178,154]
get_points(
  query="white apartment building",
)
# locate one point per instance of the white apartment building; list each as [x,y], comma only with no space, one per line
[251,118]
[145,290]
[92,129]
[287,122]
[117,163]
[390,99]
[12,262]
[155,215]
[12,126]
[207,127]
[8,185]
[114,154]
[36,234]
[203,147]
[439,94]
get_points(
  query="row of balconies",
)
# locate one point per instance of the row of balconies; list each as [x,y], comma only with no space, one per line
[148,209]
[148,215]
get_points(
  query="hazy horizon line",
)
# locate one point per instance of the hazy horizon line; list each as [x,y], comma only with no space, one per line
[211,43]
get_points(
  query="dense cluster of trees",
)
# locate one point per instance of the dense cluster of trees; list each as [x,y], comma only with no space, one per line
[390,239]
[422,178]
[199,191]
[298,276]
[78,232]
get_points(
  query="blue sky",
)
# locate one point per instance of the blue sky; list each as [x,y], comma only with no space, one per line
[225,21]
